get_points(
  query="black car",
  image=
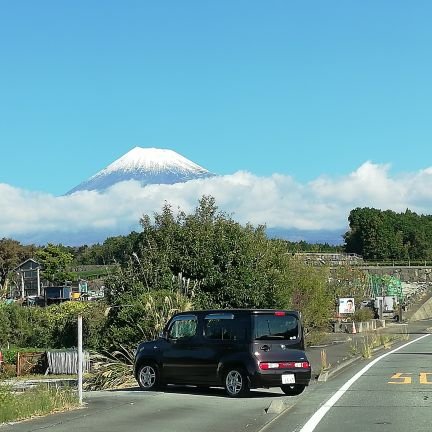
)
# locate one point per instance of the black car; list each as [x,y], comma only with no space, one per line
[237,349]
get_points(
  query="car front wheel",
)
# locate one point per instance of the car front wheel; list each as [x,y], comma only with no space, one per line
[293,390]
[236,383]
[148,377]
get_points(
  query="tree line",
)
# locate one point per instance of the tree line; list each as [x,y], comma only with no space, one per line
[381,235]
[374,234]
[180,261]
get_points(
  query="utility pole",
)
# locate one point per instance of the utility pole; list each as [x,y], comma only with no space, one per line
[80,361]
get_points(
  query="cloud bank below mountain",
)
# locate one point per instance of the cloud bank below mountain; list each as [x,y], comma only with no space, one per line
[279,201]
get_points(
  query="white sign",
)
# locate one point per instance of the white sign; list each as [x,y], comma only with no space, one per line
[346,305]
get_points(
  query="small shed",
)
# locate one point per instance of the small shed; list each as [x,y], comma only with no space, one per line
[57,294]
[29,274]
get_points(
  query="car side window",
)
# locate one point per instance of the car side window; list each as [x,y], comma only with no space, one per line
[218,328]
[183,328]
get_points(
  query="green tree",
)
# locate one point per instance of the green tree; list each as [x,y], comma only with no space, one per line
[377,234]
[55,262]
[229,265]
[12,253]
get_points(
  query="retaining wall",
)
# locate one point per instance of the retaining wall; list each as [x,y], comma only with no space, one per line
[424,312]
[405,273]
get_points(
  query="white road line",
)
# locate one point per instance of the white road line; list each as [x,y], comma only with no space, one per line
[313,422]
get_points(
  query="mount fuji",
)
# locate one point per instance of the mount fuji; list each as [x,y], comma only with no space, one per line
[146,165]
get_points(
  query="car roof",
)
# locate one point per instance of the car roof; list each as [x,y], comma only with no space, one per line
[238,311]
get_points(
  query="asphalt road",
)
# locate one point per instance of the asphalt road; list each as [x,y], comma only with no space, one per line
[179,409]
[389,393]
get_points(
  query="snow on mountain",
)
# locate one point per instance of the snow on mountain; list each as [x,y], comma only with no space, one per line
[146,165]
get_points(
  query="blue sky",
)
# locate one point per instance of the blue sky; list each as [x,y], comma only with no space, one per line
[304,89]
[299,88]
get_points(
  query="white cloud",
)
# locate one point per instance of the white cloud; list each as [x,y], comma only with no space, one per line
[278,201]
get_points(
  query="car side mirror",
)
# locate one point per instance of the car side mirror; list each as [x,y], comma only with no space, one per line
[163,335]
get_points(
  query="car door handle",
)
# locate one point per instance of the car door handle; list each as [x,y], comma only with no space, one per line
[265,347]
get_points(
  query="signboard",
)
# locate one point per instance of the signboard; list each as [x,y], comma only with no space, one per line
[82,286]
[346,305]
[387,303]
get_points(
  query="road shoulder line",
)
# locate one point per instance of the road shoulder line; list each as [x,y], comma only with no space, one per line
[313,422]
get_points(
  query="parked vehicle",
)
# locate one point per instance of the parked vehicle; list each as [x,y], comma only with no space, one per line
[237,349]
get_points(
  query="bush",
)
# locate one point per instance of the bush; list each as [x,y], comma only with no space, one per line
[64,319]
[110,371]
[53,326]
[133,319]
[4,325]
[10,355]
[364,314]
[7,371]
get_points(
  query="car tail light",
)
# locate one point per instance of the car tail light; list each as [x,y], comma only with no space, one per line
[284,365]
[279,313]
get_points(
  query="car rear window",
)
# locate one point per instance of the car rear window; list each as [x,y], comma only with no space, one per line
[275,327]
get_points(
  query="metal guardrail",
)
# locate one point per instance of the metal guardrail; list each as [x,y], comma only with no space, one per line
[396,263]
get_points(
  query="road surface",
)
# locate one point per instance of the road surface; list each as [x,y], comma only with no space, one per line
[391,393]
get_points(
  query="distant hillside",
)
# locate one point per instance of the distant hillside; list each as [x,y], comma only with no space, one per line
[331,237]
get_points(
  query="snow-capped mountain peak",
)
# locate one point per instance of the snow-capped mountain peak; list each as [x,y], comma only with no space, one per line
[146,165]
[152,159]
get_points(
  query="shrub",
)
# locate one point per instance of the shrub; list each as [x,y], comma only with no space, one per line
[64,318]
[134,319]
[53,326]
[4,325]
[364,314]
[111,370]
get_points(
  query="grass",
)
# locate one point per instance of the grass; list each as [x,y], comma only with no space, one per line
[314,337]
[34,402]
[366,344]
[34,377]
[324,363]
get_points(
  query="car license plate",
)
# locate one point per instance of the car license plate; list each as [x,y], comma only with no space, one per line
[288,379]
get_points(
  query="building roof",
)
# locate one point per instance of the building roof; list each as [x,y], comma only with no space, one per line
[18,267]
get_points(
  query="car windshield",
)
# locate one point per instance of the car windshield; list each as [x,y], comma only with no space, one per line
[276,327]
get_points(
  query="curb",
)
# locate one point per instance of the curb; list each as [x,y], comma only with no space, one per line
[277,406]
[326,375]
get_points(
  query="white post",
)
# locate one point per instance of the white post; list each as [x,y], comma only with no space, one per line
[22,285]
[38,282]
[80,361]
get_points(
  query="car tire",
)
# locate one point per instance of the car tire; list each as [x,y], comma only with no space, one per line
[293,389]
[236,382]
[148,377]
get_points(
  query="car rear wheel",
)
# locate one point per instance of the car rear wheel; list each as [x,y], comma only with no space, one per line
[236,383]
[293,389]
[148,377]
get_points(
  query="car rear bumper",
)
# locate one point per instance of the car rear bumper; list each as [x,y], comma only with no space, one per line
[274,378]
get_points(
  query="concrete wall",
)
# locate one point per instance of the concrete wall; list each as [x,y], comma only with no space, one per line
[424,312]
[405,274]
